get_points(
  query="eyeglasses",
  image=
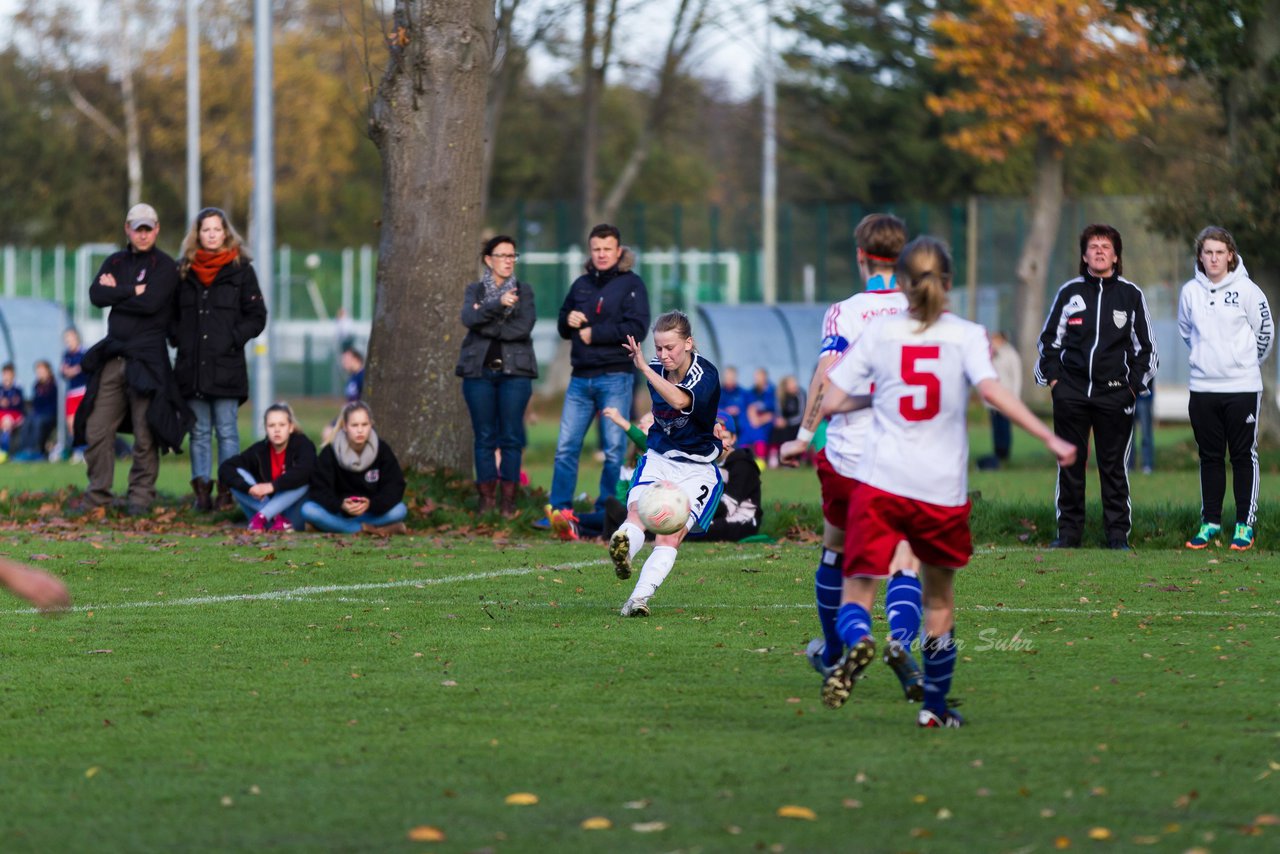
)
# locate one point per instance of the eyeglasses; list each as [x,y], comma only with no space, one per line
[506,256]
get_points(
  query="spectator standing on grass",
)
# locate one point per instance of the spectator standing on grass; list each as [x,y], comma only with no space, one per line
[786,424]
[220,310]
[74,376]
[879,238]
[683,449]
[43,416]
[607,305]
[271,478]
[1225,319]
[914,371]
[357,484]
[13,408]
[1008,365]
[131,387]
[1097,354]
[498,366]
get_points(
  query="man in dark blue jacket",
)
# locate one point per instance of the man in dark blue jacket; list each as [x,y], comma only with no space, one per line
[604,305]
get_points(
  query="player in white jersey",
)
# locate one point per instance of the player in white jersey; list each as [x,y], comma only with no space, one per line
[880,237]
[683,449]
[913,472]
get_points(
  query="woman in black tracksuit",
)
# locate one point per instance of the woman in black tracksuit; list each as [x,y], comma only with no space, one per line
[1097,354]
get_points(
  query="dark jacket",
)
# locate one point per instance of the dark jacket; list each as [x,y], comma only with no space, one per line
[616,304]
[1098,338]
[382,483]
[490,320]
[137,327]
[299,465]
[211,329]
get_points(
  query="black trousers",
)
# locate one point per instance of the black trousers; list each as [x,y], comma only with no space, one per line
[1109,417]
[1223,420]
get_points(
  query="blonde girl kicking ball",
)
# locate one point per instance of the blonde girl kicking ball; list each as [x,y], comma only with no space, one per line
[683,449]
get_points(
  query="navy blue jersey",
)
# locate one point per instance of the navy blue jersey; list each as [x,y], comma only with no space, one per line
[688,434]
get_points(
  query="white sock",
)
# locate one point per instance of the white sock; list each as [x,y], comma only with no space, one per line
[635,538]
[654,572]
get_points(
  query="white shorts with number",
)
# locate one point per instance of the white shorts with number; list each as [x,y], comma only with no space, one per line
[700,481]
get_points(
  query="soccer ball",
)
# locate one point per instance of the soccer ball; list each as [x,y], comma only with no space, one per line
[664,508]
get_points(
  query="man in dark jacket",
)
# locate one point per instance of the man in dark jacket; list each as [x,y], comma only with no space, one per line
[1097,354]
[604,305]
[131,387]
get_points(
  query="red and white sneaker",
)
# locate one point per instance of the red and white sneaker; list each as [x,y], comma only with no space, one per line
[281,525]
[932,720]
[258,522]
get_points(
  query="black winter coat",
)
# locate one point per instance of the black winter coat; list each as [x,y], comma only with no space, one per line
[299,465]
[487,320]
[211,329]
[136,330]
[382,483]
[616,304]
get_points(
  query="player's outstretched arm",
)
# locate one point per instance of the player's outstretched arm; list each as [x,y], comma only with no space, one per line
[39,588]
[1016,411]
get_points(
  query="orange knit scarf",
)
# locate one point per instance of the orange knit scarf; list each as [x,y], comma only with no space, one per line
[206,264]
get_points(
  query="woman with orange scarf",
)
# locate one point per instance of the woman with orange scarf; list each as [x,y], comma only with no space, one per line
[220,309]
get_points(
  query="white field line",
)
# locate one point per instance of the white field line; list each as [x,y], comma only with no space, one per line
[300,594]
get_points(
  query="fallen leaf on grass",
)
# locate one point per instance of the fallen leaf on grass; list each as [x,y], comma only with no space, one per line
[426,833]
[1267,820]
[1062,843]
[649,826]
[91,772]
[793,811]
[1184,801]
[944,814]
[98,651]
[1100,834]
[522,799]
[852,803]
[636,805]
[1146,839]
[596,822]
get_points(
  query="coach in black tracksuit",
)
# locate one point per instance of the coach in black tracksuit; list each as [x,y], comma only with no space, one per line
[1097,354]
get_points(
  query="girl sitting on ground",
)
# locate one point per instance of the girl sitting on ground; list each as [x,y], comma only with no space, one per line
[357,485]
[270,479]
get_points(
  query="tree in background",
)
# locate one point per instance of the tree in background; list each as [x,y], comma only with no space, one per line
[428,122]
[1235,46]
[1045,75]
[854,121]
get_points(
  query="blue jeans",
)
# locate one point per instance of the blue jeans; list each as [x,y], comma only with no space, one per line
[287,503]
[497,403]
[218,414]
[341,523]
[1144,426]
[582,401]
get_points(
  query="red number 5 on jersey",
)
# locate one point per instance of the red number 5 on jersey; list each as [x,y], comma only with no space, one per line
[910,406]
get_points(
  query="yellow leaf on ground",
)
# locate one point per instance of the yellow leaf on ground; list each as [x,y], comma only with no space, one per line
[522,799]
[1062,843]
[792,811]
[1267,820]
[1099,833]
[426,833]
[649,826]
[91,772]
[596,822]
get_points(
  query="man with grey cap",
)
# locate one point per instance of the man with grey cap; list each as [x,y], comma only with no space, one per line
[131,387]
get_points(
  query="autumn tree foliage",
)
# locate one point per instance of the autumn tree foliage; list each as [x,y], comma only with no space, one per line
[1046,75]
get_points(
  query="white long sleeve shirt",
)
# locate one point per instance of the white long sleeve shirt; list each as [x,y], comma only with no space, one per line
[1229,329]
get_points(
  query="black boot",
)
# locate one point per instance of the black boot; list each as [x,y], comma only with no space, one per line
[510,491]
[488,490]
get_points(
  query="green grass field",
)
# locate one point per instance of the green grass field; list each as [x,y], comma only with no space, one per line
[214,692]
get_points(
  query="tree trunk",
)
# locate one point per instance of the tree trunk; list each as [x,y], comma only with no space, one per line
[1033,264]
[428,124]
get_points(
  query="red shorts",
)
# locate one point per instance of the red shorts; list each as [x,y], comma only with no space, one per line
[880,520]
[836,489]
[73,402]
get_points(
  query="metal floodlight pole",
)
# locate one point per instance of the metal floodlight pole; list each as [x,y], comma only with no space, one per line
[193,111]
[769,176]
[264,211]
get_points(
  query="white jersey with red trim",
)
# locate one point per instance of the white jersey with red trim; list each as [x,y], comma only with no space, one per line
[842,326]
[918,444]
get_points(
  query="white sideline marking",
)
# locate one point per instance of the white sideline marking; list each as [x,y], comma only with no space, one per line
[299,594]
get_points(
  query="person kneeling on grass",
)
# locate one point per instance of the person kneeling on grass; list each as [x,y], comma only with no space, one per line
[269,480]
[357,485]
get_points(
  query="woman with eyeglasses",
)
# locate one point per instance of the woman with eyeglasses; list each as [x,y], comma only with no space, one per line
[219,310]
[497,367]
